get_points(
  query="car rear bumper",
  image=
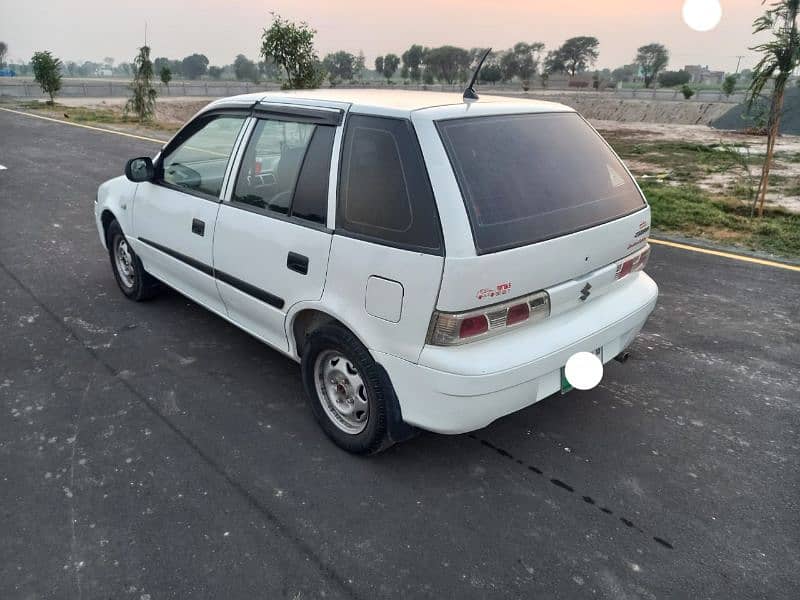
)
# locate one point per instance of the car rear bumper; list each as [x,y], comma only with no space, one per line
[460,389]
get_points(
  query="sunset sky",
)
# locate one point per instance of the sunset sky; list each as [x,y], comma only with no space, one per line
[220,29]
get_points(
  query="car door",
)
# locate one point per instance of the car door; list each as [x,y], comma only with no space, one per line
[174,216]
[271,242]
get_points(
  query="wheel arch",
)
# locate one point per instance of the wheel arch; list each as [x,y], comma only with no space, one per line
[304,319]
[106,218]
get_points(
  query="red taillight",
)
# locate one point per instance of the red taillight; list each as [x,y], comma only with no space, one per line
[624,269]
[257,167]
[450,329]
[473,326]
[518,313]
[635,263]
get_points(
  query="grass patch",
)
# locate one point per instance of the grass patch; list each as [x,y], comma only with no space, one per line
[91,115]
[688,210]
[792,189]
[687,162]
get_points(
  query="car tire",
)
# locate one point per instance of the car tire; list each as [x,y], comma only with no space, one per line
[349,394]
[136,283]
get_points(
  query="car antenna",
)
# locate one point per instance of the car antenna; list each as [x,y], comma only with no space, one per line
[470,93]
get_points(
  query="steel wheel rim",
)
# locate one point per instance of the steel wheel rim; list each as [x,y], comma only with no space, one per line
[341,392]
[123,259]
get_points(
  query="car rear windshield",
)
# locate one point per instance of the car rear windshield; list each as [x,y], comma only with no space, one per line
[532,177]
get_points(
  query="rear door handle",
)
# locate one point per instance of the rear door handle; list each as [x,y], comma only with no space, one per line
[297,262]
[198,227]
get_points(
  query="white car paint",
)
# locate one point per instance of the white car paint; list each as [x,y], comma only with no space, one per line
[386,295]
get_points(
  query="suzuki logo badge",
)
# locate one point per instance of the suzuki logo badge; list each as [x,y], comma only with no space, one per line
[585,292]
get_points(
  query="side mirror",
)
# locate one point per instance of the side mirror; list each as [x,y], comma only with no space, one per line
[140,169]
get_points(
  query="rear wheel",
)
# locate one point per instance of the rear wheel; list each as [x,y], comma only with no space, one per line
[131,277]
[347,391]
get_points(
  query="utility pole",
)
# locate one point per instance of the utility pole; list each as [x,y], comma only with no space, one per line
[738,63]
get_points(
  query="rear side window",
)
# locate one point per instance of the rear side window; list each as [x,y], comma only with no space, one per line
[285,169]
[311,192]
[529,178]
[384,192]
[271,164]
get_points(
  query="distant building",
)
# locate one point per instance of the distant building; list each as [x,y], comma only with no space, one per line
[103,72]
[703,76]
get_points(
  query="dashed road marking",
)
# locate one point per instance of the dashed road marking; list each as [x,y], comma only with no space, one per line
[2,168]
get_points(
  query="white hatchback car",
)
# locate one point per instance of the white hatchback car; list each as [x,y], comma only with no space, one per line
[432,262]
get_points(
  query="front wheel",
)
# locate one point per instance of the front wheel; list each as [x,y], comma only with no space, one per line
[131,277]
[347,391]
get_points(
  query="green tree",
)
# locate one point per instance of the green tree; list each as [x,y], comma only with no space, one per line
[215,72]
[554,63]
[379,65]
[651,59]
[194,66]
[544,77]
[143,100]
[625,73]
[687,91]
[780,56]
[575,55]
[269,70]
[447,62]
[521,61]
[673,78]
[360,65]
[412,61]
[729,84]
[245,69]
[390,64]
[3,52]
[339,66]
[291,46]
[47,72]
[491,73]
[165,74]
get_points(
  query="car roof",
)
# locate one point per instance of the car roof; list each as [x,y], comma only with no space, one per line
[397,103]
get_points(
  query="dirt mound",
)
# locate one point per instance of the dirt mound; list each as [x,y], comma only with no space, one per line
[737,118]
[178,112]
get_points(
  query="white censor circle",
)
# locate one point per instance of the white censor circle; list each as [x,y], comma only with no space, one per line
[702,15]
[583,370]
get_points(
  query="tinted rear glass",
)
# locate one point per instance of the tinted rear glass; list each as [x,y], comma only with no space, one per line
[384,192]
[529,178]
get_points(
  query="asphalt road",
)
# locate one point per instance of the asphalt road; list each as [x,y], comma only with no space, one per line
[154,451]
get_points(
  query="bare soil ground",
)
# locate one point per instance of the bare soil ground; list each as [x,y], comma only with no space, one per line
[651,164]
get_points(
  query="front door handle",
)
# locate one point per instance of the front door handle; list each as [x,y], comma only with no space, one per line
[297,262]
[198,227]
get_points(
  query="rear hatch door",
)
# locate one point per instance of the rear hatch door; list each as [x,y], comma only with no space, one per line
[550,206]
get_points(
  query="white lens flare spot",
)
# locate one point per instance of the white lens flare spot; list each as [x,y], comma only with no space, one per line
[702,15]
[583,370]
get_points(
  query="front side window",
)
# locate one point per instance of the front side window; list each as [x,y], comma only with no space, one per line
[384,192]
[271,165]
[198,163]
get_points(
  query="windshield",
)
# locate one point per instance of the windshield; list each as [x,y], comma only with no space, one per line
[531,177]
